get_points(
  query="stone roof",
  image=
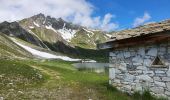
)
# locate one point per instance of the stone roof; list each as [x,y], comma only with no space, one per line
[142,30]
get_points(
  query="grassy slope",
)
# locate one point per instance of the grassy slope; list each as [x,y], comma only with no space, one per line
[10,49]
[87,40]
[16,76]
[60,80]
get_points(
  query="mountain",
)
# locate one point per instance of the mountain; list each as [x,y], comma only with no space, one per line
[53,35]
[52,30]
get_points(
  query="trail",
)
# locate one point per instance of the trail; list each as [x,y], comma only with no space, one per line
[53,75]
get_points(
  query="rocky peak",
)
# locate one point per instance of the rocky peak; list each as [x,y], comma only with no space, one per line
[7,27]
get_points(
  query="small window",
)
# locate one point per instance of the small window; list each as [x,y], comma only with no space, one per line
[158,62]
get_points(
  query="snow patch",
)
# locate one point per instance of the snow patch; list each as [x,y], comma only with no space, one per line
[44,20]
[67,34]
[88,31]
[109,35]
[36,24]
[88,35]
[31,27]
[89,61]
[50,28]
[44,54]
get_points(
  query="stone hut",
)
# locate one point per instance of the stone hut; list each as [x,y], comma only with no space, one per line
[140,59]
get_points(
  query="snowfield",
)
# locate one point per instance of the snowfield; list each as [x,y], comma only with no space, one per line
[44,54]
[67,34]
[36,24]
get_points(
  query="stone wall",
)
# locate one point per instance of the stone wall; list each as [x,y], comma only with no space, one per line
[131,69]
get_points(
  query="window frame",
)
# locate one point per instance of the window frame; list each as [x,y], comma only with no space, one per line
[159,66]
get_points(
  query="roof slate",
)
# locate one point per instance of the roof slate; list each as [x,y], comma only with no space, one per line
[142,30]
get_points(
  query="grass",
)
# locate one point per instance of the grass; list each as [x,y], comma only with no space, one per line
[60,80]
[18,74]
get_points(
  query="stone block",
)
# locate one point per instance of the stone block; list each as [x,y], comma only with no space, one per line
[168,86]
[127,54]
[137,59]
[160,84]
[157,90]
[112,54]
[120,55]
[145,78]
[166,79]
[117,71]
[150,73]
[160,72]
[152,52]
[141,51]
[167,93]
[162,49]
[138,87]
[147,62]
[117,81]
[168,73]
[122,67]
[157,78]
[129,77]
[141,68]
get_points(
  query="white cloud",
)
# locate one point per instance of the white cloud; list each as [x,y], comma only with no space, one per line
[106,25]
[78,11]
[141,20]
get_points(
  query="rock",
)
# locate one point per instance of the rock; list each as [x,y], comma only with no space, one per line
[152,52]
[116,81]
[168,85]
[166,79]
[141,51]
[161,84]
[120,55]
[122,67]
[144,78]
[168,73]
[1,98]
[150,73]
[167,93]
[137,64]
[117,71]
[129,78]
[114,58]
[138,87]
[127,54]
[158,90]
[137,59]
[141,68]
[112,54]
[157,78]
[160,72]
[163,49]
[147,62]
[139,72]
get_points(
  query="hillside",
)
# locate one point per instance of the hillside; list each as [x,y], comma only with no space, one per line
[11,50]
[28,79]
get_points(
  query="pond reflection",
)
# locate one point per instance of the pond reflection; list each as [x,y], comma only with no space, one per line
[92,67]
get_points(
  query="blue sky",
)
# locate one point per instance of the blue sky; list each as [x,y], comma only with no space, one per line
[107,15]
[127,10]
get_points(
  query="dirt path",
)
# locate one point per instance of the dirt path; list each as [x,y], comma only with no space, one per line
[53,75]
